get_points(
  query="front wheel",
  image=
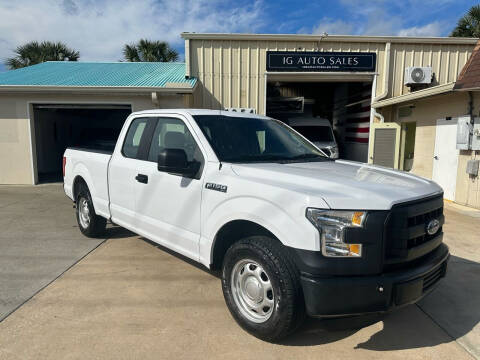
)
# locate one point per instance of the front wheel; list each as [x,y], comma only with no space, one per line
[89,222]
[262,289]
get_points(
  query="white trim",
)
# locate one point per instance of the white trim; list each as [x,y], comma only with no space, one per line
[435,90]
[31,123]
[329,38]
[95,89]
[187,58]
[386,71]
[308,76]
[373,113]
[383,95]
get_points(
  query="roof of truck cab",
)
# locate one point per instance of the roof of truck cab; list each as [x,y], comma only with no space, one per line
[194,112]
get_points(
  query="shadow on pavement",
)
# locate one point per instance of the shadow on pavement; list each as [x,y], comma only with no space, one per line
[117,232]
[453,306]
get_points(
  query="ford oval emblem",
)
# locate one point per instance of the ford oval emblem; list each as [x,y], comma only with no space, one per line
[433,226]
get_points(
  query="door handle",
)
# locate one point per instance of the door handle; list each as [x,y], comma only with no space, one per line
[435,157]
[142,178]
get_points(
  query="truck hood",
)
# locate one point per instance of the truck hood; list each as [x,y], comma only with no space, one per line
[342,184]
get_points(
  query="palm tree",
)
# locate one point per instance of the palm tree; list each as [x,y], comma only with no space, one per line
[34,53]
[149,51]
[469,24]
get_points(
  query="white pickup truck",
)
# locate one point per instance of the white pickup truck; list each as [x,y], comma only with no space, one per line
[293,232]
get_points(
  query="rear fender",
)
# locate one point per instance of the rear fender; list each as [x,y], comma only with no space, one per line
[100,204]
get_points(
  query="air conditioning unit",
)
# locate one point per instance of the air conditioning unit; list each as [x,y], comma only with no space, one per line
[415,75]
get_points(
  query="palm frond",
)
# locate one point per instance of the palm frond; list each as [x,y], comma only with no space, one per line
[150,51]
[34,53]
[469,24]
[130,53]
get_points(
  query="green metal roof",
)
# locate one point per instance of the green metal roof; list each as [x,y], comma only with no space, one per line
[93,74]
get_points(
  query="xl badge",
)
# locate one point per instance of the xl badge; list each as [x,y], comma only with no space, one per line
[433,226]
[216,187]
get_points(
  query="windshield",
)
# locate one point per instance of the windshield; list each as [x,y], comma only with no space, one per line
[237,139]
[316,133]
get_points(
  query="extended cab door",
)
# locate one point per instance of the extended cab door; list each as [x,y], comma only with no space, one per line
[168,206]
[123,170]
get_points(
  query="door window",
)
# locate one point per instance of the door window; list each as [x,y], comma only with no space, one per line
[134,137]
[172,133]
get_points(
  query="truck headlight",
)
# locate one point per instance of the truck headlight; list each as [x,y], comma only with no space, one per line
[331,225]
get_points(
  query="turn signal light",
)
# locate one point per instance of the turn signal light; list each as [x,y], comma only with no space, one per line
[357,218]
[64,162]
[355,249]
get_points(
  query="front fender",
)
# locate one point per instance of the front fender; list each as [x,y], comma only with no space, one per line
[289,226]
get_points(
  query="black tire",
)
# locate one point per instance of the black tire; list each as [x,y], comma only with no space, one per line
[96,224]
[288,310]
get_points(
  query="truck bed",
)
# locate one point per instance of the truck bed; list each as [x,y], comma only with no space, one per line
[99,150]
[92,165]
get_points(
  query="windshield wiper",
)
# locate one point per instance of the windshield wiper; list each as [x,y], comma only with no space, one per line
[275,158]
[256,158]
[306,156]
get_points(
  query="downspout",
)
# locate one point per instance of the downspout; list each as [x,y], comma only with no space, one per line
[386,82]
[155,99]
[373,111]
[187,59]
[470,106]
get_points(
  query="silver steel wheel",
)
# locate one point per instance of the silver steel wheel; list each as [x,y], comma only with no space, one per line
[252,291]
[83,213]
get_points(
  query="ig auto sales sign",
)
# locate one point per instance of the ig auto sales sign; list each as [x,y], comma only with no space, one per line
[320,61]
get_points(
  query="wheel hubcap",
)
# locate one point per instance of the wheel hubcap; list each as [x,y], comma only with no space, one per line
[252,291]
[83,213]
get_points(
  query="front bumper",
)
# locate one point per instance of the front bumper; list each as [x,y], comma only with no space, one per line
[352,295]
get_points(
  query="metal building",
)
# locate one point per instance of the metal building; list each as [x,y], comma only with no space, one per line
[363,85]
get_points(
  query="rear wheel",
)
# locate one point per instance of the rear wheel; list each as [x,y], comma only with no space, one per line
[262,289]
[89,222]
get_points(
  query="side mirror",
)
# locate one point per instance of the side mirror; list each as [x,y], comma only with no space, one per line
[174,161]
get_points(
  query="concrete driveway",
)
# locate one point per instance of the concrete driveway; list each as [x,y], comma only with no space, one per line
[38,241]
[131,299]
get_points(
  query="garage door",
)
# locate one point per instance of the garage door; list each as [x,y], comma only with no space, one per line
[58,126]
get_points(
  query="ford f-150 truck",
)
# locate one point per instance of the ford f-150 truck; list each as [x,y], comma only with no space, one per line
[293,232]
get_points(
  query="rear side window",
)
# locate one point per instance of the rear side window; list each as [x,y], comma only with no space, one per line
[133,138]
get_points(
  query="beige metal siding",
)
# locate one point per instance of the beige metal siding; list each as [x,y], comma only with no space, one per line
[232,70]
[446,60]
